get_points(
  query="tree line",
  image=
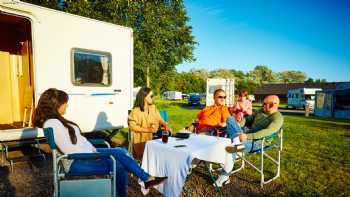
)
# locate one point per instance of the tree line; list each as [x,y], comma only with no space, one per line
[195,79]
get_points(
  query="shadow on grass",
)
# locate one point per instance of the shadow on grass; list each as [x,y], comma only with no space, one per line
[181,105]
[241,184]
[6,188]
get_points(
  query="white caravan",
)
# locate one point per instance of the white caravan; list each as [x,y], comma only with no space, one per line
[300,97]
[172,95]
[228,85]
[41,48]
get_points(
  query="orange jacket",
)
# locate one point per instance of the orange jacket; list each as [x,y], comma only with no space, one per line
[212,115]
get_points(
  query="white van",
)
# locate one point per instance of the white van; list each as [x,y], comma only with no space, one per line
[172,95]
[228,85]
[300,97]
[41,48]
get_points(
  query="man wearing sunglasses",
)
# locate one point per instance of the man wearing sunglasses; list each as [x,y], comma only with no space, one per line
[213,117]
[265,122]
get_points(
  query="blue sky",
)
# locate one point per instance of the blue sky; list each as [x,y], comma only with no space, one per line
[308,35]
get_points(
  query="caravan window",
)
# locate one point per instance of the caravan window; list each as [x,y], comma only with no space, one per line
[91,68]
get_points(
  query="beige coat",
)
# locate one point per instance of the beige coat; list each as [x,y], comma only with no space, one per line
[143,119]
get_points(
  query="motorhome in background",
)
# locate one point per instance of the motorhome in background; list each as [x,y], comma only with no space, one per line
[172,95]
[43,48]
[228,85]
[301,97]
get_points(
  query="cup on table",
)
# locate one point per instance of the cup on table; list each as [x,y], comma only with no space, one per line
[165,136]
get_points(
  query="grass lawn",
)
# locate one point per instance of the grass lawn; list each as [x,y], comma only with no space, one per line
[315,156]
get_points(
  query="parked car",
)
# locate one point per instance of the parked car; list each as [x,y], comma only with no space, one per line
[185,96]
[194,99]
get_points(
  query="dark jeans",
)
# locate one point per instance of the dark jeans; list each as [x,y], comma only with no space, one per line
[125,164]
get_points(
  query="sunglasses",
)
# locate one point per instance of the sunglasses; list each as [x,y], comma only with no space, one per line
[270,104]
[222,97]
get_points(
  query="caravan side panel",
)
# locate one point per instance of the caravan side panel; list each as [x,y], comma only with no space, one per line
[55,36]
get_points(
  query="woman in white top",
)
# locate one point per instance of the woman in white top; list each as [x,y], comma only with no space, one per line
[49,113]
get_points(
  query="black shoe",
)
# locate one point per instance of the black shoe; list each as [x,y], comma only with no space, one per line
[234,149]
[155,181]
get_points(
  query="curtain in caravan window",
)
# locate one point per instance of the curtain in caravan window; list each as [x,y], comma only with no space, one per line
[104,63]
[91,68]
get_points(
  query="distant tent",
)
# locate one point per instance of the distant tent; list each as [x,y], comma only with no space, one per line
[334,103]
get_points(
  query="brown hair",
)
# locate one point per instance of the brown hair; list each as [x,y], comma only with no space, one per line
[47,108]
[140,98]
[243,93]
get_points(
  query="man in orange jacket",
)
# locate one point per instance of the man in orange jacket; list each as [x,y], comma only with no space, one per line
[214,116]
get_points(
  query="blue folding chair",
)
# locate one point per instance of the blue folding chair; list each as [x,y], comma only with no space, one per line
[164,115]
[72,184]
[261,151]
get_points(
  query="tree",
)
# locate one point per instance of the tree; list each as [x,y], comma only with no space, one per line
[221,73]
[291,76]
[246,84]
[201,73]
[320,80]
[239,75]
[309,80]
[262,73]
[46,3]
[187,82]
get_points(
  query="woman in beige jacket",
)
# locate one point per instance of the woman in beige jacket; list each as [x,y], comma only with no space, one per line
[144,120]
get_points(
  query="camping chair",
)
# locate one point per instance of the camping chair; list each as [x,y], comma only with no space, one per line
[277,136]
[67,184]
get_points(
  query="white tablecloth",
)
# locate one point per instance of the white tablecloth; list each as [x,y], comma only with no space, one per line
[161,159]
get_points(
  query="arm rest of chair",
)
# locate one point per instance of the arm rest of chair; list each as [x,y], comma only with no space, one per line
[89,156]
[99,142]
[271,136]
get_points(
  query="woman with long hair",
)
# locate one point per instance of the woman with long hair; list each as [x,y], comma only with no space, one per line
[49,112]
[144,120]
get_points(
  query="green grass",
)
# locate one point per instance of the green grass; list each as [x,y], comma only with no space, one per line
[315,156]
[315,159]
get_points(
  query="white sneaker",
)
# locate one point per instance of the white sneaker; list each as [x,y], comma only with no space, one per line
[222,180]
[236,141]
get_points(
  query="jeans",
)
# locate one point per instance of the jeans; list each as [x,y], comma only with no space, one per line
[230,158]
[124,164]
[232,128]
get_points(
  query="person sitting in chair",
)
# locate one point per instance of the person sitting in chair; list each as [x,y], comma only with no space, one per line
[215,116]
[144,120]
[49,113]
[242,108]
[265,122]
